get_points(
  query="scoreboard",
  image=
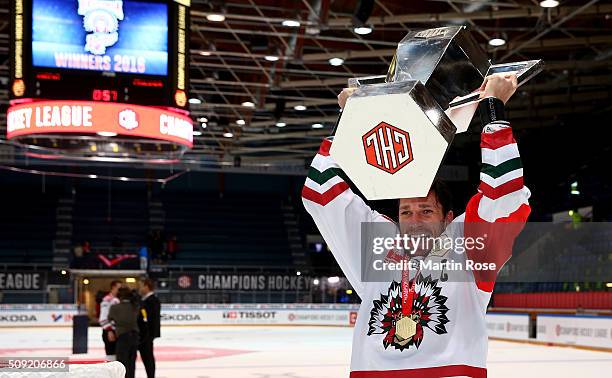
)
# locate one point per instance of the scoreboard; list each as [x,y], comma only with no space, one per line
[123,51]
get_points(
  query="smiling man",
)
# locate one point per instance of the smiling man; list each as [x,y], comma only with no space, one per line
[422,323]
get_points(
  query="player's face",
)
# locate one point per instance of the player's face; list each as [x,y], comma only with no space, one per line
[422,216]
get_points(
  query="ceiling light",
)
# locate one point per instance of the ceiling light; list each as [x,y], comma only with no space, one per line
[333,280]
[123,178]
[241,122]
[205,53]
[197,133]
[291,23]
[215,17]
[336,61]
[85,281]
[496,42]
[248,104]
[281,124]
[130,280]
[315,282]
[64,272]
[204,125]
[317,126]
[299,107]
[228,135]
[271,58]
[195,101]
[106,133]
[92,176]
[549,3]
[298,273]
[362,30]
[202,119]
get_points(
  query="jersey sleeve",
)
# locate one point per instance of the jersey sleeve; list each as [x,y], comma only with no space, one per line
[104,321]
[500,208]
[337,211]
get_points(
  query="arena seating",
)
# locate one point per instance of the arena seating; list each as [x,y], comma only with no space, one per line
[117,224]
[27,227]
[229,231]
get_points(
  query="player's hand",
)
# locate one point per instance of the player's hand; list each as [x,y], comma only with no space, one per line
[344,95]
[501,86]
[111,336]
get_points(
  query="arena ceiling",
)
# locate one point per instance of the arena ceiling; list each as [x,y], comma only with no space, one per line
[286,75]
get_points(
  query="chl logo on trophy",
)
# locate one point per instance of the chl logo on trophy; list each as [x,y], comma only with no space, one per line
[387,148]
[428,311]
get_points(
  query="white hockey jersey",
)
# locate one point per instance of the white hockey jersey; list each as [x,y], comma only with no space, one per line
[451,336]
[105,306]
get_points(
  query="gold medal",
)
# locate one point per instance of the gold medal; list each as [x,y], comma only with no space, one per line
[405,328]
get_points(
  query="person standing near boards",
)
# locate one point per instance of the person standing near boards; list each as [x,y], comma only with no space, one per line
[149,324]
[108,300]
[124,316]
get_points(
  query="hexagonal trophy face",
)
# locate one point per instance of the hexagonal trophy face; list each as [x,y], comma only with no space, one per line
[391,139]
[387,147]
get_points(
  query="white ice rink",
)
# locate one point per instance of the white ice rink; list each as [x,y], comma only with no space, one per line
[290,352]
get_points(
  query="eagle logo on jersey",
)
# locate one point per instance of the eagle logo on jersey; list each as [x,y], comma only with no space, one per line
[428,310]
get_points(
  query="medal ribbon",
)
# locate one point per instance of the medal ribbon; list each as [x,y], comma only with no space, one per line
[408,290]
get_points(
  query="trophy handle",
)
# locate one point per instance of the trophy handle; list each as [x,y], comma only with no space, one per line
[524,70]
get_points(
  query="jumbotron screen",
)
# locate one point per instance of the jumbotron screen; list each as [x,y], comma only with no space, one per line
[125,51]
[108,36]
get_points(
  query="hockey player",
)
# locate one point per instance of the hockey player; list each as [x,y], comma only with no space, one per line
[108,335]
[421,324]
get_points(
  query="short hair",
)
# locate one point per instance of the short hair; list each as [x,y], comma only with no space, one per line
[124,293]
[115,283]
[443,195]
[149,283]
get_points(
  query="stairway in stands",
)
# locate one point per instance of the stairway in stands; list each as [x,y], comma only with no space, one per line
[62,245]
[294,237]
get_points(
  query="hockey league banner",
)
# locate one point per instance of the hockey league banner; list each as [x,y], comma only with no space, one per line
[22,280]
[239,281]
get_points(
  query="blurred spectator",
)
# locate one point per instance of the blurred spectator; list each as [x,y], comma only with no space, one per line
[78,252]
[86,247]
[143,252]
[172,247]
[125,318]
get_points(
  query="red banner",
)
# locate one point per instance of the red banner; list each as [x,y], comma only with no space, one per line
[88,117]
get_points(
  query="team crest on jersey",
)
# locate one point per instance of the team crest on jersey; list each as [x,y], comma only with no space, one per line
[428,310]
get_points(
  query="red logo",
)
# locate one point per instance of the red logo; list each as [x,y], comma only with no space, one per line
[353,317]
[387,147]
[230,315]
[184,282]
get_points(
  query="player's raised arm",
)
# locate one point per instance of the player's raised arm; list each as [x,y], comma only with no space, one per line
[337,211]
[501,206]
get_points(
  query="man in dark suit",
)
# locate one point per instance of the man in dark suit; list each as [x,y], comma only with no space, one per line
[149,324]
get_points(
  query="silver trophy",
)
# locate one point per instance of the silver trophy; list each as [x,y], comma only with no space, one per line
[395,130]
